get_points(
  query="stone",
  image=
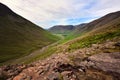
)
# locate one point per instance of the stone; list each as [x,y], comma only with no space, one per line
[53,76]
[40,72]
[29,78]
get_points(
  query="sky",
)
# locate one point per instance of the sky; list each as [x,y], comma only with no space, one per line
[47,13]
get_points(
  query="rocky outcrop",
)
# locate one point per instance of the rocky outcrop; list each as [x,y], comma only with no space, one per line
[107,62]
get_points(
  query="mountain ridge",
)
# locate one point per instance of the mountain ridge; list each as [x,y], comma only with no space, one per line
[99,22]
[61,29]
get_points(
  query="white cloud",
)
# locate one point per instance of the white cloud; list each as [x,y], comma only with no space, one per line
[47,13]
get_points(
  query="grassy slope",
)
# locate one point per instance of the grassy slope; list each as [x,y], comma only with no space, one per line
[98,35]
[18,37]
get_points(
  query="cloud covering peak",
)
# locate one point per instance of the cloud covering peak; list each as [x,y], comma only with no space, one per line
[47,13]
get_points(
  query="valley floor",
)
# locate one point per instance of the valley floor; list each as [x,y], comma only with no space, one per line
[98,62]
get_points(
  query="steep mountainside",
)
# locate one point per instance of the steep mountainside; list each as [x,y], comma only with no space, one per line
[18,36]
[101,22]
[79,28]
[80,25]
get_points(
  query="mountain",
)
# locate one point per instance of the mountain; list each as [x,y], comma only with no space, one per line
[62,29]
[66,31]
[80,25]
[101,22]
[18,36]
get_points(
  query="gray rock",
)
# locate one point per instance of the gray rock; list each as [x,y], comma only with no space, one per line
[108,62]
[53,76]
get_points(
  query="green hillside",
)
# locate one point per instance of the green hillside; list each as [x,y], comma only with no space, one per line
[18,36]
[98,31]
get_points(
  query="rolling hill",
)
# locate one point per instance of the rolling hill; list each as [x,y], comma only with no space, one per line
[18,36]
